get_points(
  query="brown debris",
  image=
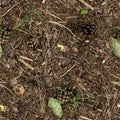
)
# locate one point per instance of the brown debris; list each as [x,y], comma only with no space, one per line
[18,89]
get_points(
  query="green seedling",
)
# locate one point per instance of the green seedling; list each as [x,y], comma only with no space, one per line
[28,17]
[75,105]
[84,12]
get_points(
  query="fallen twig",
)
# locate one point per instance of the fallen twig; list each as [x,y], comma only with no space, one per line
[115,76]
[68,70]
[8,10]
[84,118]
[46,12]
[25,63]
[63,26]
[86,4]
[115,83]
[3,86]
[26,58]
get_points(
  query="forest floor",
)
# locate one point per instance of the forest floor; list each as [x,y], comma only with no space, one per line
[60,49]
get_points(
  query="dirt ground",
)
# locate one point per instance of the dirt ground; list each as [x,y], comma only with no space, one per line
[51,49]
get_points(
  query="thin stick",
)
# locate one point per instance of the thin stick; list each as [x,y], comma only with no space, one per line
[5,65]
[1,85]
[8,10]
[68,70]
[26,58]
[51,14]
[26,64]
[115,76]
[84,118]
[115,83]
[63,26]
[86,4]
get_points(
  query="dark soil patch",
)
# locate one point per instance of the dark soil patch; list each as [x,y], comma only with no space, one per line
[51,50]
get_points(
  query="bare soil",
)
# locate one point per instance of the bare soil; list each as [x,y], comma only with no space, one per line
[51,50]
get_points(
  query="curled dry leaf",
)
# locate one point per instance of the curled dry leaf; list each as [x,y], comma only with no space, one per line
[18,89]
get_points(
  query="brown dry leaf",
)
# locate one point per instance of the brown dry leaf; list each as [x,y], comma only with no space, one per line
[62,47]
[3,108]
[18,89]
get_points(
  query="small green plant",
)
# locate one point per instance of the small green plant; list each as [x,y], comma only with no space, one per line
[84,12]
[75,105]
[28,17]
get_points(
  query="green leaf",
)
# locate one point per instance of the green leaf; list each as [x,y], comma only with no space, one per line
[84,12]
[55,106]
[116,46]
[1,52]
